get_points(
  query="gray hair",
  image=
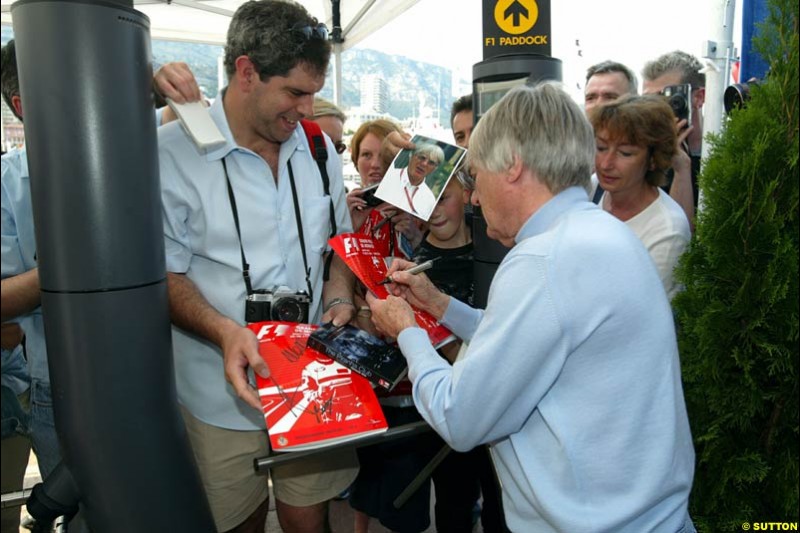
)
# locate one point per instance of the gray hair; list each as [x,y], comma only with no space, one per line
[610,67]
[545,128]
[326,108]
[432,151]
[688,66]
[267,32]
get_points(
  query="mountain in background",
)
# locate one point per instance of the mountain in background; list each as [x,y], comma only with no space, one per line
[201,58]
[409,81]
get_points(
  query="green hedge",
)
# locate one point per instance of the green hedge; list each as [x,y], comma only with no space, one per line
[738,317]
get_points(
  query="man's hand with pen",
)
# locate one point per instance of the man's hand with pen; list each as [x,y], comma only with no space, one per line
[414,270]
[394,314]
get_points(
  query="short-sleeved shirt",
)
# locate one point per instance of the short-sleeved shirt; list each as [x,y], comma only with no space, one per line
[201,242]
[19,251]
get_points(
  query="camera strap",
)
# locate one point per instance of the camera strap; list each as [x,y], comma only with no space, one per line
[245,265]
[300,229]
[232,199]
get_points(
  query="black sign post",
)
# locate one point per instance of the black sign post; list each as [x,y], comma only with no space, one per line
[516,51]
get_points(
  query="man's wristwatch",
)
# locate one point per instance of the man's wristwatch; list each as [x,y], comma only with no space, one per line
[337,301]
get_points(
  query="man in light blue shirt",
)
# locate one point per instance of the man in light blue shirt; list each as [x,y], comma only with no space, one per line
[256,205]
[572,371]
[20,275]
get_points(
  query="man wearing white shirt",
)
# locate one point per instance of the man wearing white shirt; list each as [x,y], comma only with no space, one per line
[407,189]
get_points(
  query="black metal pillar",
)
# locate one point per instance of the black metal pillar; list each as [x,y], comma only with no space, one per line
[85,79]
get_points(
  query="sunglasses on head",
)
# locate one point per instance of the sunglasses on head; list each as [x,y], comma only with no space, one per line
[320,31]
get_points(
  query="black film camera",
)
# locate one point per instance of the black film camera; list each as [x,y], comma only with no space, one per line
[278,303]
[679,98]
[368,195]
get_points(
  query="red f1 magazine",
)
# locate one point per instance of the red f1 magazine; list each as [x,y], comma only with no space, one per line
[309,400]
[361,253]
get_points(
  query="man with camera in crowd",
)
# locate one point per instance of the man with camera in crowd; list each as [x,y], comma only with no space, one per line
[246,227]
[673,70]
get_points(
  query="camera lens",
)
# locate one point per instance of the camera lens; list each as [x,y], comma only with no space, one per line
[735,96]
[287,310]
[679,105]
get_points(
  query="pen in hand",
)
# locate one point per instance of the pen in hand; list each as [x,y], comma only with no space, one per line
[422,267]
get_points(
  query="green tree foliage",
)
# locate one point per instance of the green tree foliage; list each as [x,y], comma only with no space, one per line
[738,316]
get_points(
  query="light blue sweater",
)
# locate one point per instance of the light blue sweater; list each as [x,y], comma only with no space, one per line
[572,374]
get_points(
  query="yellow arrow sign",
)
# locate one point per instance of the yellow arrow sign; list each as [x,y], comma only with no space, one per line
[516,16]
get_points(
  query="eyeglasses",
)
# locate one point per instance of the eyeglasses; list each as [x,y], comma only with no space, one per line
[320,31]
[425,160]
[467,180]
[340,147]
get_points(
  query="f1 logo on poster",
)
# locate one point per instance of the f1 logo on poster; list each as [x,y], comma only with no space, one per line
[271,329]
[350,245]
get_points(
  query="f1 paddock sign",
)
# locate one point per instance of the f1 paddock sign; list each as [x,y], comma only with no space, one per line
[516,27]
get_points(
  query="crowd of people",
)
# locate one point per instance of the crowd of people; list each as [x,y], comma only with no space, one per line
[560,407]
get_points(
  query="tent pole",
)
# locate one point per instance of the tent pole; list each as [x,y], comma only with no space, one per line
[720,53]
[337,74]
[338,39]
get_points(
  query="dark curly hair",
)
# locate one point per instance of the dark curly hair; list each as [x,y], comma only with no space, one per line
[266,31]
[10,78]
[642,121]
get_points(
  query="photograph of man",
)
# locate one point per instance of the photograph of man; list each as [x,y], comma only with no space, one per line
[417,177]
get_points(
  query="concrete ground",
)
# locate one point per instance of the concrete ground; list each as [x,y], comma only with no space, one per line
[341,519]
[341,515]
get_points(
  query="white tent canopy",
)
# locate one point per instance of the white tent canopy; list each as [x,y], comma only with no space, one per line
[207,21]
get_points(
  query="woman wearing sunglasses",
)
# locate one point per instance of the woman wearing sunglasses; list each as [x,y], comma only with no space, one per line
[331,120]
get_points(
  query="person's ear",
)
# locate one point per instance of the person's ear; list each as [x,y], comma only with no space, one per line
[16,103]
[698,97]
[246,73]
[514,172]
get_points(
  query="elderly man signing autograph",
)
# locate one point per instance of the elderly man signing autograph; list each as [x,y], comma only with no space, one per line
[584,413]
